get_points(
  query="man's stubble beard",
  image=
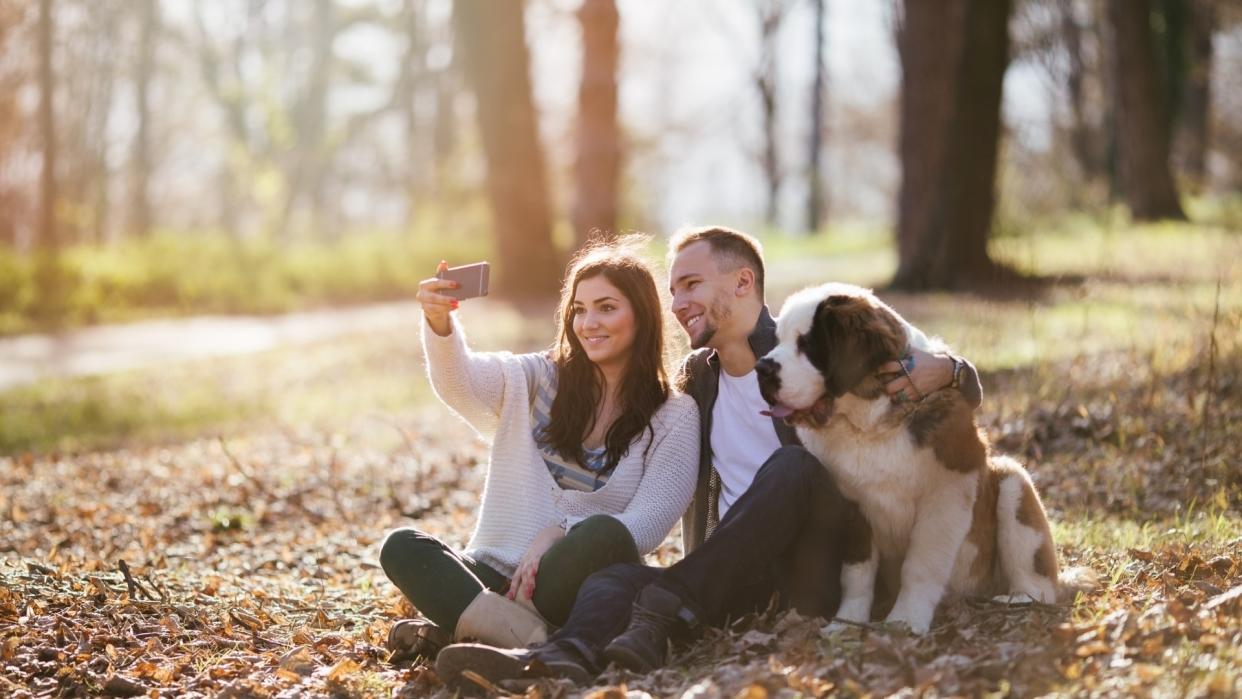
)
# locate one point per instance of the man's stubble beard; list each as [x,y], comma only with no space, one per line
[713,318]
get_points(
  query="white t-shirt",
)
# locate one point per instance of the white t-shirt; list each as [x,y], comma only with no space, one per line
[742,439]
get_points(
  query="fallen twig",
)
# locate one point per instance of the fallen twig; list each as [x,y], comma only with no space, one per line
[1211,383]
[135,587]
[420,473]
[40,569]
[315,516]
[334,487]
[158,590]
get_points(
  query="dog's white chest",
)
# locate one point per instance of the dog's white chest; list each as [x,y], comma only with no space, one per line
[883,473]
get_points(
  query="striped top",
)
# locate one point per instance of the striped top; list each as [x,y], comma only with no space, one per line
[541,376]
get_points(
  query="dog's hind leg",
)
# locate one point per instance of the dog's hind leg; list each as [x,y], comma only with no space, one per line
[1024,541]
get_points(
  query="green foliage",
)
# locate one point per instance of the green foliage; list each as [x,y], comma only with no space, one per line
[230,519]
[16,290]
[180,274]
[74,414]
[304,385]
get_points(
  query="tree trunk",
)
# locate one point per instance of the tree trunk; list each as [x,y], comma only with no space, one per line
[49,302]
[968,184]
[444,129]
[598,166]
[140,198]
[770,12]
[48,236]
[929,41]
[1196,105]
[218,69]
[11,124]
[1141,112]
[492,42]
[953,59]
[305,181]
[1083,136]
[816,196]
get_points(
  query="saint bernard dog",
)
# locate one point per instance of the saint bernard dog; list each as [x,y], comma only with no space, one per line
[941,513]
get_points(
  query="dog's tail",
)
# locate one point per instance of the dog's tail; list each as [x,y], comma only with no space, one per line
[1073,581]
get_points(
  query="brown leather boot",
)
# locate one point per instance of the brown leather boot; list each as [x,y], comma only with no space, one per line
[415,638]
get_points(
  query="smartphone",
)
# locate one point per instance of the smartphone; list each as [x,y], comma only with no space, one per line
[471,279]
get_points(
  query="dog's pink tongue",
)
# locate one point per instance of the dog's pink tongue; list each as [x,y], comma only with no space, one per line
[781,411]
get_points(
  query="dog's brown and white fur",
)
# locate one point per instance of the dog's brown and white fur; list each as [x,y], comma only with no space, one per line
[943,513]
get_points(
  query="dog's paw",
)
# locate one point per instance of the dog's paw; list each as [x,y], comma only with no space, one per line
[854,611]
[833,628]
[916,624]
[837,627]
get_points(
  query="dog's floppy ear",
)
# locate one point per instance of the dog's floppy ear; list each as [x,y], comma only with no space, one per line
[886,338]
[837,348]
[850,338]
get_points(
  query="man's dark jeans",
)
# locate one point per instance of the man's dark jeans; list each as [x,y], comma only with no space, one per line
[783,535]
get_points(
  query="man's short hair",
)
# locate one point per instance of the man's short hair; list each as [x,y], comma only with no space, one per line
[732,249]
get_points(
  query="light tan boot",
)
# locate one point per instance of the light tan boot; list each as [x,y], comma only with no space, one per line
[498,621]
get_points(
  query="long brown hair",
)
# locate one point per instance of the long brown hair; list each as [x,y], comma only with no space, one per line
[644,384]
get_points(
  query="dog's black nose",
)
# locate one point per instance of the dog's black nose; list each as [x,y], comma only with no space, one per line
[766,367]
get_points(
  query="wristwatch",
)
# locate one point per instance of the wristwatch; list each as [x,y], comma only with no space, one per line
[957,372]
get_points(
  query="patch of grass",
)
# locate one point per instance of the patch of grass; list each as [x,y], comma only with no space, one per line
[1110,532]
[95,412]
[305,385]
[319,385]
[192,273]
[1133,288]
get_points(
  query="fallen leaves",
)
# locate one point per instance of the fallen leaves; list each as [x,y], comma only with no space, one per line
[186,571]
[126,584]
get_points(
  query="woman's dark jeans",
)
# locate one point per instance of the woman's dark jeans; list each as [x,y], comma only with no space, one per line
[441,582]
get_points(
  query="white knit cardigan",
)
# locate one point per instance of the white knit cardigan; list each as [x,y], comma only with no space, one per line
[489,391]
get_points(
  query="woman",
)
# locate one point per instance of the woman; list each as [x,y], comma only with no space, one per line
[592,460]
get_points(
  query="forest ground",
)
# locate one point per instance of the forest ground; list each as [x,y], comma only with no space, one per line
[211,527]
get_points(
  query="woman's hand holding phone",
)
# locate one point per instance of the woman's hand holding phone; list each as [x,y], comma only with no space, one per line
[436,306]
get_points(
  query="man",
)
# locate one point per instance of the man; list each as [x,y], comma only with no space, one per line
[765,520]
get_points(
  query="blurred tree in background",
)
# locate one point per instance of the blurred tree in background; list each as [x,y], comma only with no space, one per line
[817,193]
[48,279]
[492,40]
[1142,114]
[769,14]
[426,128]
[11,118]
[1197,102]
[140,185]
[597,164]
[953,58]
